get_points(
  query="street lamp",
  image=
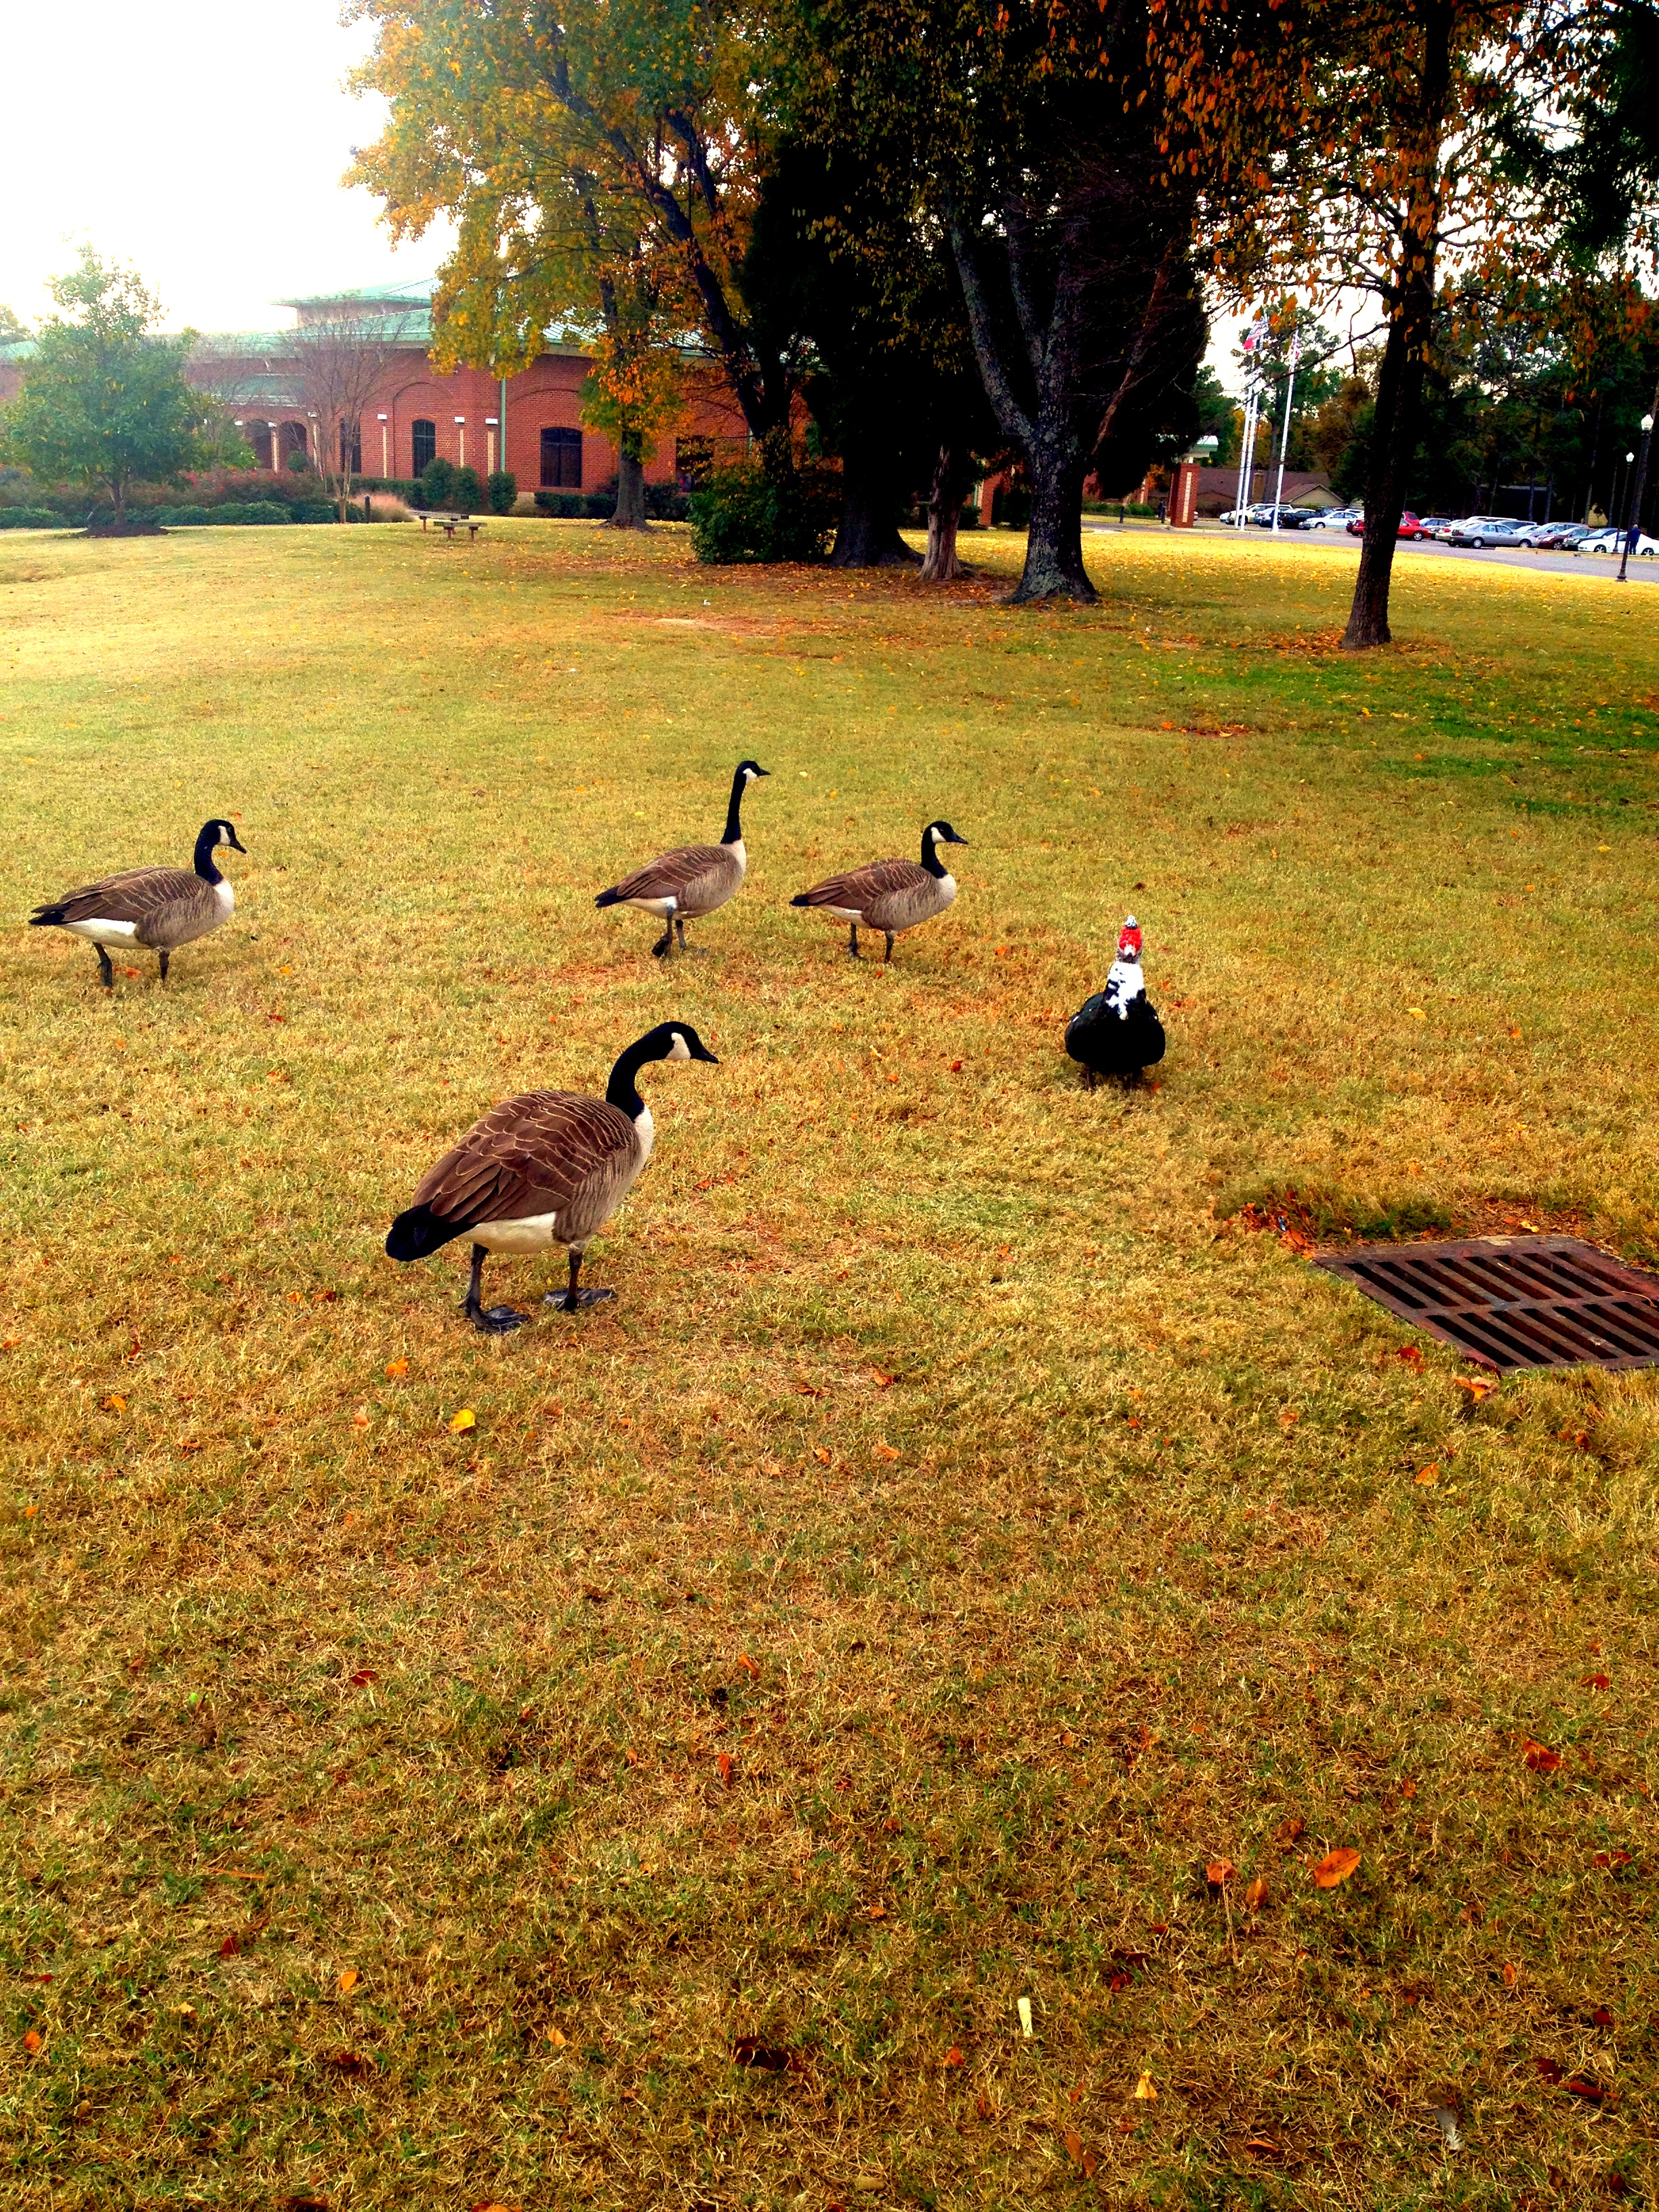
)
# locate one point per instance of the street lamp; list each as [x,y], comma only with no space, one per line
[1634,529]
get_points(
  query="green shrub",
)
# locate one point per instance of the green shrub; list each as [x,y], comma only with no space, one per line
[665,502]
[601,504]
[183,518]
[299,463]
[315,510]
[466,493]
[742,514]
[437,484]
[250,511]
[30,517]
[563,506]
[503,490]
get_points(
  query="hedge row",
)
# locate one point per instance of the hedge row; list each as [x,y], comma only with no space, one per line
[31,518]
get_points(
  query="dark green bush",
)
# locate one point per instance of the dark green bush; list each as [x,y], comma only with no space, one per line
[315,510]
[1010,504]
[183,518]
[665,502]
[437,485]
[466,493]
[30,517]
[563,506]
[503,490]
[742,514]
[250,511]
[601,504]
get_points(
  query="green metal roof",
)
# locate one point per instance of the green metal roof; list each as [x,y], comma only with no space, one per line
[416,291]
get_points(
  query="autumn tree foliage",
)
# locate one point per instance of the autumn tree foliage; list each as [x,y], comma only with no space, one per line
[601,164]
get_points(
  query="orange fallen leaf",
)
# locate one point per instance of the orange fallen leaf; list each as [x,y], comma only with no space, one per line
[1511,1974]
[1219,1872]
[748,1666]
[822,1453]
[1410,1354]
[953,2057]
[1478,1386]
[1074,2146]
[1144,2090]
[725,1767]
[115,1403]
[395,1368]
[1335,1866]
[1593,1682]
[956,1067]
[1256,1895]
[1425,1476]
[466,1418]
[363,1677]
[881,1380]
[885,1451]
[1288,1831]
[348,1981]
[1408,1790]
[31,2041]
[489,2204]
[556,2038]
[1540,1757]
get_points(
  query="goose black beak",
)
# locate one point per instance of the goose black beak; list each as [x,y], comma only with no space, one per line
[699,1051]
[236,840]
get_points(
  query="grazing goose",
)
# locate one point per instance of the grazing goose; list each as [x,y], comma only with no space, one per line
[158,908]
[890,896]
[548,1167]
[1117,1032]
[692,880]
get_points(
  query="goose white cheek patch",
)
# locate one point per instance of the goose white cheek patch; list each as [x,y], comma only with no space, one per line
[681,1049]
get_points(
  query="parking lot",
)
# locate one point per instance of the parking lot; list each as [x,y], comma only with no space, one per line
[1322,543]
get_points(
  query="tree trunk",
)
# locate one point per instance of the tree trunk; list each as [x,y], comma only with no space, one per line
[631,492]
[1400,380]
[867,535]
[1053,545]
[940,564]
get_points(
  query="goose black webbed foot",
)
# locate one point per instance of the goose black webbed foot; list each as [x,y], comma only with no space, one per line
[106,971]
[566,1302]
[664,945]
[494,1321]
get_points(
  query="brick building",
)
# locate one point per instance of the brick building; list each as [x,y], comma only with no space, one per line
[530,423]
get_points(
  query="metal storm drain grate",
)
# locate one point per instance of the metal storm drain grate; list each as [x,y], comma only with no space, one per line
[1514,1301]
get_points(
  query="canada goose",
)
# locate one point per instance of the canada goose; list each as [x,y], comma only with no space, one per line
[692,880]
[890,896]
[160,908]
[548,1167]
[1117,1032]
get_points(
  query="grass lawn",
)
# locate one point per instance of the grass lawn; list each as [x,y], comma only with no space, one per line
[963,1531]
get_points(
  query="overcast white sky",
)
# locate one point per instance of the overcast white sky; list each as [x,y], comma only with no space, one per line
[201,141]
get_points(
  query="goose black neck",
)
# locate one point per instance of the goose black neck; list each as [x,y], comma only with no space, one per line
[205,850]
[733,815]
[623,1089]
[930,859]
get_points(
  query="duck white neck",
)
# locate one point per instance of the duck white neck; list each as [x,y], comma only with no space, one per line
[1124,983]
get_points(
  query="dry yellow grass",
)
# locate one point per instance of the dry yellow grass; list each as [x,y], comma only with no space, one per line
[957,1535]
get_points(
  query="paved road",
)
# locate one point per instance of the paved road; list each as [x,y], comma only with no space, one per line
[1642,569]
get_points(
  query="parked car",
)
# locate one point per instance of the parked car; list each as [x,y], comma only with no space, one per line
[1331,517]
[1409,526]
[1611,541]
[1557,537]
[1290,517]
[1436,525]
[1482,530]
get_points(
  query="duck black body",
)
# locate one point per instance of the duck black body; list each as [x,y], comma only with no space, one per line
[548,1167]
[1117,1032]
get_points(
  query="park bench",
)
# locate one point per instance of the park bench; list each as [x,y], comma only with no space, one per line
[449,524]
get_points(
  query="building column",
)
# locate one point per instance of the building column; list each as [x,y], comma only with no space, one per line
[275,457]
[460,424]
[386,448]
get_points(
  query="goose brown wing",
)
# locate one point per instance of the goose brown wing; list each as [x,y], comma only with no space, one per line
[154,899]
[545,1151]
[860,887]
[681,875]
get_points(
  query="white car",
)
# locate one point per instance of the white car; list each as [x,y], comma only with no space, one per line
[1611,541]
[1332,518]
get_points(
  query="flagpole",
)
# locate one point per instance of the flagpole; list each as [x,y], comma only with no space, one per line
[1284,434]
[1245,434]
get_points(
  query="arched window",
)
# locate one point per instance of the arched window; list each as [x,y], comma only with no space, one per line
[425,436]
[562,460]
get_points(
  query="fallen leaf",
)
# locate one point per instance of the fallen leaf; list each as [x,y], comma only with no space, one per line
[115,1404]
[1540,1757]
[956,1067]
[1593,2093]
[748,1666]
[1478,1386]
[1261,2147]
[556,2038]
[1411,1354]
[394,1368]
[1511,1974]
[31,2041]
[1286,1833]
[725,1767]
[466,1418]
[885,1451]
[1336,1866]
[348,1981]
[1616,1858]
[1145,2091]
[1074,2146]
[1425,1476]
[822,1454]
[350,2064]
[1417,1013]
[363,1677]
[1408,1790]
[1601,2017]
[1548,2068]
[1219,1872]
[882,1381]
[1256,1895]
[1593,1682]
[953,2057]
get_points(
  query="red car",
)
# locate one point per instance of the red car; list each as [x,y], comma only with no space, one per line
[1409,527]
